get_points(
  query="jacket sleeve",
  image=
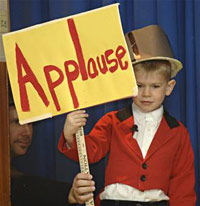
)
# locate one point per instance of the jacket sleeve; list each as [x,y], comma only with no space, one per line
[97,142]
[182,180]
[34,190]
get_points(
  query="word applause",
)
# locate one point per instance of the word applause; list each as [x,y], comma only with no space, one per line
[110,61]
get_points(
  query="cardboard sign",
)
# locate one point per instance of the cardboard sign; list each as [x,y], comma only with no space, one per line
[69,64]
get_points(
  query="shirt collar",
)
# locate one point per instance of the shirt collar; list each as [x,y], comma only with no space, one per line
[140,116]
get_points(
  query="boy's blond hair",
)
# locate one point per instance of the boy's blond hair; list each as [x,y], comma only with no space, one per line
[163,67]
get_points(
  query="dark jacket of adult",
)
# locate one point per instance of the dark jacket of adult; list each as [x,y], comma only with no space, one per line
[38,191]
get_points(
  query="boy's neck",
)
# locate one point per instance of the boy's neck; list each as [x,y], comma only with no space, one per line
[140,110]
[155,115]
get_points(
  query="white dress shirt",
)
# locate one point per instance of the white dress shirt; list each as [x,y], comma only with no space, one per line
[148,124]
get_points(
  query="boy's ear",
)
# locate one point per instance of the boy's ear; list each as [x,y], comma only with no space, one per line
[170,86]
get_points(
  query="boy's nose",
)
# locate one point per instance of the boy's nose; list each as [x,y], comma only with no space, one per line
[146,91]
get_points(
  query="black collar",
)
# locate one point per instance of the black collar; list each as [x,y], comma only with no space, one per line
[126,112]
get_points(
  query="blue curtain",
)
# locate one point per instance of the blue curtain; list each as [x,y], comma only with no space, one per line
[181,21]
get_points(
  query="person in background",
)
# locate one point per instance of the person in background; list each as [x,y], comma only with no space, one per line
[38,191]
[151,160]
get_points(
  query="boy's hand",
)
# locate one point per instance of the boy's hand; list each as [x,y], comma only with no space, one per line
[82,189]
[73,121]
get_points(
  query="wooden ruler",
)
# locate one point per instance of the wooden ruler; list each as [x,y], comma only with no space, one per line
[83,159]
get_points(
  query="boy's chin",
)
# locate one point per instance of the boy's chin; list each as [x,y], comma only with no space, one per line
[147,108]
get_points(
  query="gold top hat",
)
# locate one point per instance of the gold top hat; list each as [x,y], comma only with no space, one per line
[151,43]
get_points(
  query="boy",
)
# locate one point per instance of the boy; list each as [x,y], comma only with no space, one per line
[150,161]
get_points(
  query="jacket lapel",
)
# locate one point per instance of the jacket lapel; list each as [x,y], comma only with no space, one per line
[126,126]
[163,134]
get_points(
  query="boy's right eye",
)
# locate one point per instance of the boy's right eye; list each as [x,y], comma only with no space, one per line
[139,85]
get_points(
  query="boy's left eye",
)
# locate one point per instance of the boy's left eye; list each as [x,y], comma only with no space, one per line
[156,86]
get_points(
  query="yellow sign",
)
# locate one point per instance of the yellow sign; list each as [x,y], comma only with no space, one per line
[69,64]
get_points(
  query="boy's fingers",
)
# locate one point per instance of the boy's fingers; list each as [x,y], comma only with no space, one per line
[84,176]
[80,124]
[85,190]
[84,183]
[83,198]
[78,112]
[81,116]
[82,180]
[78,117]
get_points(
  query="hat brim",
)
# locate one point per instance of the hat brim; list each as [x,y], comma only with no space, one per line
[176,64]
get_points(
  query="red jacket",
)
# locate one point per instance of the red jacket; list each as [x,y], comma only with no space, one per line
[168,165]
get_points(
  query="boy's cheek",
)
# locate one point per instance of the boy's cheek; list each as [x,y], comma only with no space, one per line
[135,99]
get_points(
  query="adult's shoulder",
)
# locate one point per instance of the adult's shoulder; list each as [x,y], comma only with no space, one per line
[34,189]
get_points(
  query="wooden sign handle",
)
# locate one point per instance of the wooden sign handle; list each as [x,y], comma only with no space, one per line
[83,159]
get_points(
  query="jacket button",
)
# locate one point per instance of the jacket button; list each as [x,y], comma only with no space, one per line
[143,178]
[144,165]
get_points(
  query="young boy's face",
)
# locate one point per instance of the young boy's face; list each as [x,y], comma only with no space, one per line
[152,89]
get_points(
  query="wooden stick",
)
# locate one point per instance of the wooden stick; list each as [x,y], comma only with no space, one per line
[83,159]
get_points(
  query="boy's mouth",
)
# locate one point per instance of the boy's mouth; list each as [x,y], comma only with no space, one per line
[146,102]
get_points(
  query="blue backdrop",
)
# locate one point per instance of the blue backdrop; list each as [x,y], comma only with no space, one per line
[181,21]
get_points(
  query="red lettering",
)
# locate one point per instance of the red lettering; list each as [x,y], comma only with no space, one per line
[103,63]
[51,84]
[71,76]
[91,63]
[120,52]
[104,68]
[29,77]
[111,61]
[77,45]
